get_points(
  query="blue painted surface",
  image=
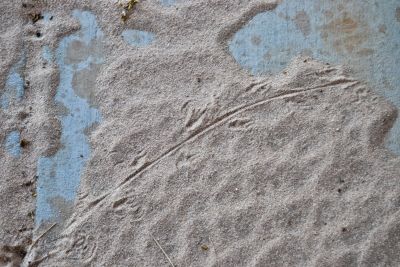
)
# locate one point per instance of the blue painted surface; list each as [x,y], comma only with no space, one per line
[13,144]
[47,17]
[167,2]
[14,87]
[59,175]
[47,54]
[362,34]
[138,38]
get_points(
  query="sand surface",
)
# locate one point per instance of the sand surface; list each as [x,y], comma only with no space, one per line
[145,143]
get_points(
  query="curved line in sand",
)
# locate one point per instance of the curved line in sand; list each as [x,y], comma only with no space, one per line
[348,83]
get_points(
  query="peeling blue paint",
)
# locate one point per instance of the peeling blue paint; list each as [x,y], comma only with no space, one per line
[47,54]
[364,35]
[59,175]
[13,144]
[167,2]
[47,17]
[14,87]
[138,38]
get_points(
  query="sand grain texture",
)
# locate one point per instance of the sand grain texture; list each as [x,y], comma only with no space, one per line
[196,158]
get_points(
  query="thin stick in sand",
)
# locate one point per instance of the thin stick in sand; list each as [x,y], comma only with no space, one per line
[27,262]
[163,251]
[45,232]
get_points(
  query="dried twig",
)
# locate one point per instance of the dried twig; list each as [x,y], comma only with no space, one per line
[27,262]
[163,251]
[45,232]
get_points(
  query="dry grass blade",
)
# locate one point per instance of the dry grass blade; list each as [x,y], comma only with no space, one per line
[163,251]
[45,232]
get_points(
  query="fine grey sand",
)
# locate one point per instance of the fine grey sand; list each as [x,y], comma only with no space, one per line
[196,162]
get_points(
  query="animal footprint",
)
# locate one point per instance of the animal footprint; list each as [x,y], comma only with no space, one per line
[130,208]
[185,159]
[240,123]
[195,118]
[84,244]
[139,160]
